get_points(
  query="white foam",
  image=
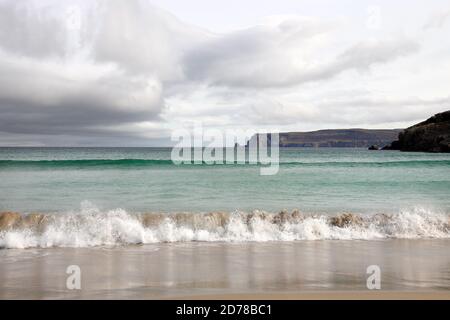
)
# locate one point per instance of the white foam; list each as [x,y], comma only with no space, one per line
[90,227]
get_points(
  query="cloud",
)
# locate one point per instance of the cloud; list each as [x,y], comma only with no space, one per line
[438,19]
[55,95]
[111,72]
[45,88]
[146,41]
[378,110]
[285,54]
[362,110]
[264,55]
[26,33]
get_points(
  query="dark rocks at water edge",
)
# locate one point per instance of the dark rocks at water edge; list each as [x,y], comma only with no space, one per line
[432,135]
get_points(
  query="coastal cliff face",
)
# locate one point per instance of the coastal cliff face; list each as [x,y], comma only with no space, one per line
[337,138]
[347,138]
[432,135]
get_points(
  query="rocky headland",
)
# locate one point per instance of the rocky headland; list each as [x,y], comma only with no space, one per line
[432,135]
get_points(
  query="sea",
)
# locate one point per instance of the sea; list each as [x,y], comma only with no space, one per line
[83,197]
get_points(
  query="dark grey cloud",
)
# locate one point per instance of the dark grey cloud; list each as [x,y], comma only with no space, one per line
[48,88]
[44,99]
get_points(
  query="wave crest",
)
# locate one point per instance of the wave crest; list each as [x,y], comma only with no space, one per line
[91,227]
[136,163]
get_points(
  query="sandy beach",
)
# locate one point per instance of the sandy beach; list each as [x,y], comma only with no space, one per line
[410,269]
[328,295]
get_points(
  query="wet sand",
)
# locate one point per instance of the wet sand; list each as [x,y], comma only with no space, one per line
[410,269]
[328,295]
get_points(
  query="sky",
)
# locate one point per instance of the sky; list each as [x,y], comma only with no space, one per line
[129,73]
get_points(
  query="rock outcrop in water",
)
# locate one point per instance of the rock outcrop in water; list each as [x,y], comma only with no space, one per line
[432,135]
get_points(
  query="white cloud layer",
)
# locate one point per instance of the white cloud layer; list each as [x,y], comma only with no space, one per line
[125,72]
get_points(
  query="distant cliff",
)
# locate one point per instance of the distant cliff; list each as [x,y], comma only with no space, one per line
[345,138]
[432,135]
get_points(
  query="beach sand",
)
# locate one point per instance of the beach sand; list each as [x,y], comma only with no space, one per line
[328,295]
[410,269]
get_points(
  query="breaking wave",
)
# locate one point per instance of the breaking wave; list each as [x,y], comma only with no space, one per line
[92,227]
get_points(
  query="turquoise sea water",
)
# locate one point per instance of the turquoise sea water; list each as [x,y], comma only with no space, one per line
[322,180]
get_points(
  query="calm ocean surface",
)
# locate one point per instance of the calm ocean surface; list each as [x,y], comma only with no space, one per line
[145,180]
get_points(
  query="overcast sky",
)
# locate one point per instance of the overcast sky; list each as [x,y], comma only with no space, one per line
[126,73]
